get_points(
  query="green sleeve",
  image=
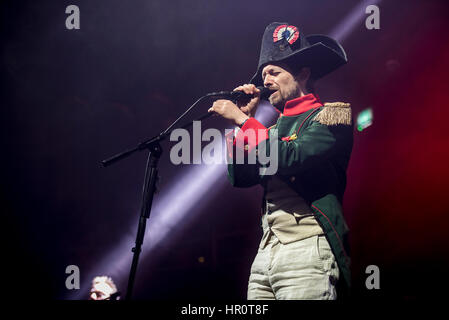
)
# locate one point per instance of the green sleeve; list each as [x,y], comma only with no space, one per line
[243,175]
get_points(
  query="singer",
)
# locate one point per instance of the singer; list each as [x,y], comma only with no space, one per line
[303,253]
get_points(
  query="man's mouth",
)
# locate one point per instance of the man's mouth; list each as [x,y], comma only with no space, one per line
[274,92]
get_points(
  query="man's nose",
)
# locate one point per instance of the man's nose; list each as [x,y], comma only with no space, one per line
[268,81]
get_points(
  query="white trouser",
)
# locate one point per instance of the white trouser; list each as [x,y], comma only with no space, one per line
[304,269]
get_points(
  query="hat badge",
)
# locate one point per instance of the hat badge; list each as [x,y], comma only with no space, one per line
[289,33]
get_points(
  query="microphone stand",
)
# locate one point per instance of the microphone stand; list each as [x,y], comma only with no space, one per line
[151,175]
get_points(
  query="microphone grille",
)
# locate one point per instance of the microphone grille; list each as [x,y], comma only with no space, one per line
[265,93]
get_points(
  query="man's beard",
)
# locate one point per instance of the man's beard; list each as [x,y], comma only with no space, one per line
[279,101]
[280,105]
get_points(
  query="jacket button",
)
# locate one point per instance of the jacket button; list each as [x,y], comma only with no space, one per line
[292,179]
[246,147]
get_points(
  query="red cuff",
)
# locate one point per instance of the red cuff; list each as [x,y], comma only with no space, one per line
[248,137]
[251,134]
[230,142]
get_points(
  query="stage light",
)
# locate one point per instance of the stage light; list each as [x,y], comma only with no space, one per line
[352,21]
[178,207]
[364,119]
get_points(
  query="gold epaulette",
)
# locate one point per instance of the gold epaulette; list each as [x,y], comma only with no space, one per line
[334,113]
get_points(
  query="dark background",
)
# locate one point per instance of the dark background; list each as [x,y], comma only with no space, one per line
[71,98]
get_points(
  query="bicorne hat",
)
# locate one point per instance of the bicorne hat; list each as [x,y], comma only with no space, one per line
[282,42]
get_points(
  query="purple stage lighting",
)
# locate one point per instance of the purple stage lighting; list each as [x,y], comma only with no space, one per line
[352,20]
[178,201]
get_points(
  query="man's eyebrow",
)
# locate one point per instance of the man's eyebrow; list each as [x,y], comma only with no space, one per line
[267,70]
[270,69]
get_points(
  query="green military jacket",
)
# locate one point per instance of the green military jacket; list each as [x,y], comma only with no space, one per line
[314,147]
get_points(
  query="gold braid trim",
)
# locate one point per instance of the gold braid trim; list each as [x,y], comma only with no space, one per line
[334,113]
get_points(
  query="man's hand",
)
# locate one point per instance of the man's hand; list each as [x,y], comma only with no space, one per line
[240,112]
[250,107]
[228,110]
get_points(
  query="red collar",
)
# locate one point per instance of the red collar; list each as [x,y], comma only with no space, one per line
[302,104]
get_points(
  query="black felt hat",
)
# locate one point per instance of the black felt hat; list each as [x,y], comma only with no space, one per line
[282,42]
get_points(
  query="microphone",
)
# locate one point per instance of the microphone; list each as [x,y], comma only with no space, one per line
[240,95]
